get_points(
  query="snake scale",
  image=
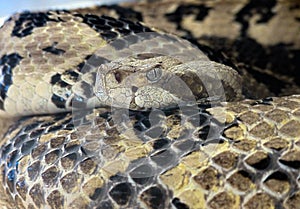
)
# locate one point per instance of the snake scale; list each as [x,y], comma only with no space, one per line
[138,149]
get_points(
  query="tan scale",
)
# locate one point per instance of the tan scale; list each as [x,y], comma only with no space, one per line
[69,168]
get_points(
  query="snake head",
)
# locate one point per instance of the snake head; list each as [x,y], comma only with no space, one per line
[153,80]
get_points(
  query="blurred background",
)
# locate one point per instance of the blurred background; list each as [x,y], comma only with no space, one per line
[9,7]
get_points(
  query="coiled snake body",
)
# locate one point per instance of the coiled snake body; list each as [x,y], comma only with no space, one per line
[101,112]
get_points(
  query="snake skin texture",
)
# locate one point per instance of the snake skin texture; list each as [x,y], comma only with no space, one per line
[62,148]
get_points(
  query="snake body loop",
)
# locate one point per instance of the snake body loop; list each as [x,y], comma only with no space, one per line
[101,111]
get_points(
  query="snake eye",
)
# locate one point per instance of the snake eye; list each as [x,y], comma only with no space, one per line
[154,74]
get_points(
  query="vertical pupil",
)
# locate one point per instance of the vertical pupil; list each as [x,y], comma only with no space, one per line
[154,73]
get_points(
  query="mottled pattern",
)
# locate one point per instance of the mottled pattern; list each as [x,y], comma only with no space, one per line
[241,154]
[262,34]
[218,158]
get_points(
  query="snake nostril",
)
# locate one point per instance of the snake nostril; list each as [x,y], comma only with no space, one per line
[134,89]
[118,77]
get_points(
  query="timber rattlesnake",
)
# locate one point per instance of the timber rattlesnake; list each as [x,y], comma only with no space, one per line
[241,154]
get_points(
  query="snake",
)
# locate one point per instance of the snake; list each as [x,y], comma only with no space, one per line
[152,104]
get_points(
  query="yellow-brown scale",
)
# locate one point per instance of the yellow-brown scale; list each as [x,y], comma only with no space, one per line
[250,161]
[156,166]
